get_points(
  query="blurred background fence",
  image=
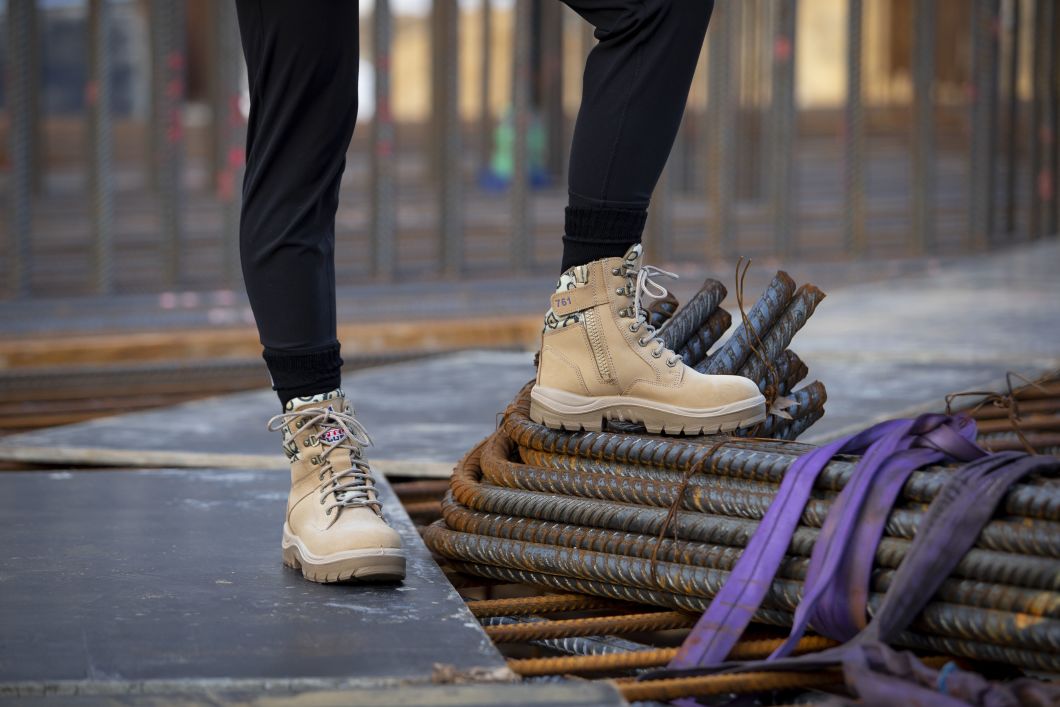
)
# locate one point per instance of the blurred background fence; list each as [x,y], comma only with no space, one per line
[820,129]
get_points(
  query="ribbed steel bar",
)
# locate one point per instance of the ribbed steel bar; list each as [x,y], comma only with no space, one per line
[521,222]
[1037,536]
[20,144]
[981,568]
[651,657]
[548,604]
[1025,537]
[383,153]
[937,618]
[795,315]
[590,626]
[697,346]
[790,371]
[101,144]
[573,645]
[735,459]
[923,231]
[1035,660]
[660,310]
[737,348]
[693,315]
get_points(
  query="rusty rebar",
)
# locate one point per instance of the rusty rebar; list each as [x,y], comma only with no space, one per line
[660,310]
[991,626]
[550,603]
[794,316]
[680,327]
[732,354]
[560,665]
[590,626]
[697,346]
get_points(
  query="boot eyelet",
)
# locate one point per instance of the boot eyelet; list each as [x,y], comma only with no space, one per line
[671,363]
[642,342]
[616,271]
[619,290]
[633,328]
[656,354]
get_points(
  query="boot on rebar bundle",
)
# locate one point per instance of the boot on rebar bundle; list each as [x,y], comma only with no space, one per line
[601,360]
[334,530]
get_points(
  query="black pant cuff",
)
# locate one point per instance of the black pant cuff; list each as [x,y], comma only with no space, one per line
[304,372]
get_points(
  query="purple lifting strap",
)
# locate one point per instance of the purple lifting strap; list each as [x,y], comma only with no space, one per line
[725,620]
[948,530]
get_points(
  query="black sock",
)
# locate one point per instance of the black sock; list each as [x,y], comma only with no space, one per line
[593,231]
[304,372]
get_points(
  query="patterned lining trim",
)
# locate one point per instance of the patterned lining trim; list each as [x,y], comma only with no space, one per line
[576,277]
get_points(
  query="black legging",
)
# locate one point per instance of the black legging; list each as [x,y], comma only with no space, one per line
[302,60]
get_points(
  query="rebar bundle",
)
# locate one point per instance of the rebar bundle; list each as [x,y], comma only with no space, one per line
[662,520]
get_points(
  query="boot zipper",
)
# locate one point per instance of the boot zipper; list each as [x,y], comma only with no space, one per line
[597,344]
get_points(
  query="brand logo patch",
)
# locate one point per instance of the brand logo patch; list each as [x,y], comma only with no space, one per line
[332,435]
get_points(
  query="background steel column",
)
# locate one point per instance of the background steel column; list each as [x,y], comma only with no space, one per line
[1047,179]
[100,144]
[485,119]
[721,239]
[923,60]
[985,28]
[383,152]
[522,217]
[168,63]
[782,134]
[20,146]
[1012,111]
[550,68]
[228,132]
[659,243]
[854,138]
[449,174]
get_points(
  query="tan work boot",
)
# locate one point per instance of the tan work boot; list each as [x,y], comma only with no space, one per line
[334,529]
[601,360]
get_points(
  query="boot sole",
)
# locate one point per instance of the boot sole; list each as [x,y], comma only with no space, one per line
[375,564]
[558,409]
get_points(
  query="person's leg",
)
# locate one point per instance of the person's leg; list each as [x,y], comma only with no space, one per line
[634,92]
[600,359]
[302,61]
[302,66]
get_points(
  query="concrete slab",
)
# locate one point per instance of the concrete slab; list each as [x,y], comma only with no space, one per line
[116,580]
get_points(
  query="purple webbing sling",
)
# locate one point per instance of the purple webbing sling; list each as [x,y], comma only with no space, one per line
[837,584]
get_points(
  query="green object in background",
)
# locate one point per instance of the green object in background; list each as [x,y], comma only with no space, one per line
[502,163]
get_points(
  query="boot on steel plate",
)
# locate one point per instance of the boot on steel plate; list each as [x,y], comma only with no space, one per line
[334,530]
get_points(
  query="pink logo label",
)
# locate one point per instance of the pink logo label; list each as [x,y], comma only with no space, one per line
[333,435]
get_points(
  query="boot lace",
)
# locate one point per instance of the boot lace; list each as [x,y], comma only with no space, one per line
[351,488]
[639,282]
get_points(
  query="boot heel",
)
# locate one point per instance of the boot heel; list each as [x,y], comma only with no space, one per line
[571,422]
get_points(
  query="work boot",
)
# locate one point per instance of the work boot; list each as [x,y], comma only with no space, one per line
[601,360]
[334,530]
